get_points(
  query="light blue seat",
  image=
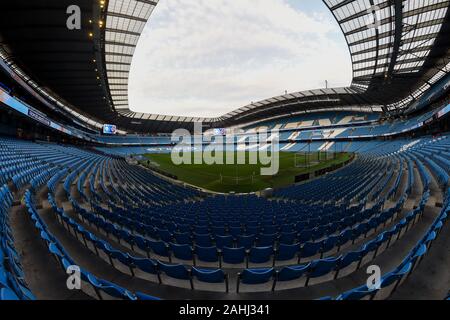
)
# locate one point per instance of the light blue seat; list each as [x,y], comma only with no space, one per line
[7,294]
[357,294]
[145,297]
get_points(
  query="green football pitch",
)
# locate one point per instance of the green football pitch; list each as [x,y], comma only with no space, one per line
[225,178]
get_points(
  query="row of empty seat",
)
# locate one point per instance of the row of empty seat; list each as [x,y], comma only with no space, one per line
[133,220]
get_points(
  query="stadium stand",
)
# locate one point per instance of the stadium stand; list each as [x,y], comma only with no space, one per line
[75,200]
[176,233]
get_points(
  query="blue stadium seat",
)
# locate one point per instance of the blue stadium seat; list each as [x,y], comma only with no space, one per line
[211,276]
[207,254]
[183,252]
[309,249]
[224,241]
[233,255]
[321,267]
[254,276]
[177,271]
[291,273]
[260,255]
[287,252]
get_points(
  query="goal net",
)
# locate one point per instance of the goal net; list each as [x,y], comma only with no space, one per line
[305,159]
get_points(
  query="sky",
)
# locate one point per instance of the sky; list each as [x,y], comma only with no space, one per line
[204,58]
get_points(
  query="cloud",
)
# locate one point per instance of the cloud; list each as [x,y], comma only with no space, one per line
[209,57]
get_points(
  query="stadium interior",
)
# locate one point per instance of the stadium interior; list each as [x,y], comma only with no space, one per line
[80,186]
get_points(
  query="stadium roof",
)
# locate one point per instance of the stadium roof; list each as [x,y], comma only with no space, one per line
[398,49]
[395,45]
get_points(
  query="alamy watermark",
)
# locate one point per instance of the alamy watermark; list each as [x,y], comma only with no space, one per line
[261,148]
[73,22]
[374,280]
[374,20]
[74,278]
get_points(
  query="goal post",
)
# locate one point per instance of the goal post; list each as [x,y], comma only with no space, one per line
[305,159]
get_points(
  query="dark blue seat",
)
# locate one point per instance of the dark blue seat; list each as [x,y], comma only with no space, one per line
[103,246]
[347,260]
[146,265]
[142,244]
[218,231]
[203,240]
[344,237]
[127,237]
[357,294]
[319,232]
[246,241]
[287,252]
[291,273]
[418,255]
[160,248]
[224,241]
[287,237]
[393,279]
[201,229]
[165,235]
[305,235]
[110,289]
[182,238]
[207,254]
[235,231]
[53,249]
[326,298]
[372,246]
[184,228]
[309,249]
[322,267]
[233,255]
[211,276]
[288,228]
[253,229]
[123,258]
[255,276]
[182,252]
[269,229]
[177,271]
[267,239]
[328,244]
[260,255]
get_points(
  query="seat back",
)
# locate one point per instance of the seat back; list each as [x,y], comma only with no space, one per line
[287,251]
[256,276]
[209,275]
[233,255]
[177,271]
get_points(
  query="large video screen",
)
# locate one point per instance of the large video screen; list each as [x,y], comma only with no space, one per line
[444,111]
[220,132]
[109,129]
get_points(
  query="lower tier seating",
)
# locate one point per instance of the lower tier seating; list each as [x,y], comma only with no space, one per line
[87,208]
